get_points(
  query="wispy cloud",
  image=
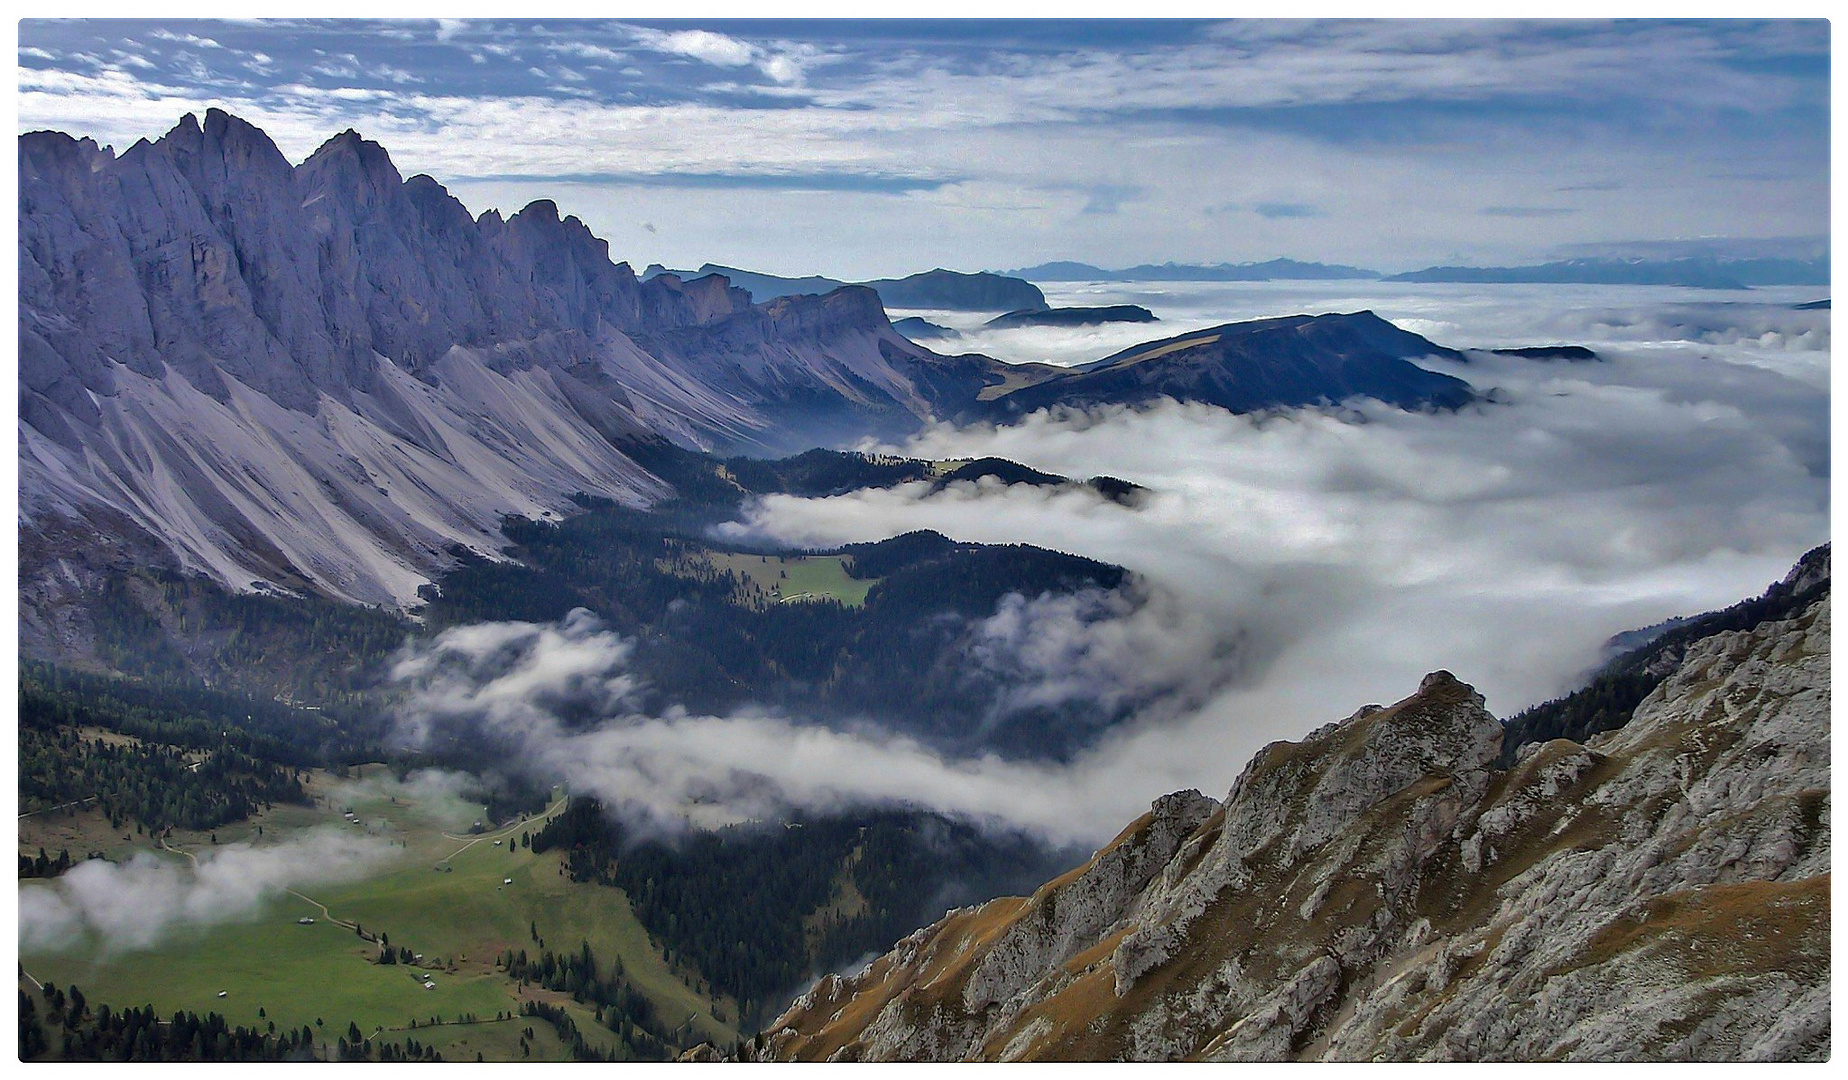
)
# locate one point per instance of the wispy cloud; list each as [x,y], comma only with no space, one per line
[185,39]
[116,907]
[722,50]
[1417,122]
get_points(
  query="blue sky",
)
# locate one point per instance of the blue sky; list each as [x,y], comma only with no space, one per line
[859,149]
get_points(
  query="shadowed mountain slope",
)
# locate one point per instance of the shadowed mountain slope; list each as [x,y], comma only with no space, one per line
[1270,363]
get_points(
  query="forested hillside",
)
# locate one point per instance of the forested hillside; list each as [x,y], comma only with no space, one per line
[760,909]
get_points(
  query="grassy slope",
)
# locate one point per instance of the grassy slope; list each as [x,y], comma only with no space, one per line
[300,973]
[822,576]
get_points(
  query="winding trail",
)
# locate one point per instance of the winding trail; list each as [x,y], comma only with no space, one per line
[505,830]
[178,851]
[325,914]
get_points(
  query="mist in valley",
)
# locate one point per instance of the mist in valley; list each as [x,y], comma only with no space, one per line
[1292,567]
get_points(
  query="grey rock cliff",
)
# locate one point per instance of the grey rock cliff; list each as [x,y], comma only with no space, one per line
[1378,891]
[322,377]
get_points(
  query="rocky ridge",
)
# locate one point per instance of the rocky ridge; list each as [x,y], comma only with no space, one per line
[322,377]
[1379,891]
[939,289]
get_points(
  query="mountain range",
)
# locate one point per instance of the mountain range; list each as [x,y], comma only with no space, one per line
[943,290]
[1700,271]
[327,378]
[285,425]
[1697,272]
[1272,270]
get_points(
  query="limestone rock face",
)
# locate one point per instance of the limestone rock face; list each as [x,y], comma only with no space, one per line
[1378,891]
[322,377]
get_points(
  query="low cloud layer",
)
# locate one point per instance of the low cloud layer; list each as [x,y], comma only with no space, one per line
[1758,328]
[556,698]
[1292,568]
[134,905]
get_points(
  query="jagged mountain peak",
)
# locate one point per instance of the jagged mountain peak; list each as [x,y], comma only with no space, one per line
[47,150]
[544,211]
[186,127]
[1376,891]
[233,359]
[323,314]
[356,163]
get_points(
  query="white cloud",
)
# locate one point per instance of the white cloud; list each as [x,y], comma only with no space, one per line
[721,50]
[509,683]
[700,45]
[1343,557]
[1010,128]
[135,905]
[185,39]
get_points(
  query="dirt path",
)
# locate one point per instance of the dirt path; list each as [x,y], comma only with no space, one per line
[325,914]
[179,851]
[506,830]
[60,806]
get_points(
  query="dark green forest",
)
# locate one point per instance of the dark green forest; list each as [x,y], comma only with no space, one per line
[619,1006]
[703,643]
[1609,700]
[761,909]
[58,1026]
[188,760]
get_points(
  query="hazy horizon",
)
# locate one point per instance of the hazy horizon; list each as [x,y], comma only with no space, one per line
[866,149]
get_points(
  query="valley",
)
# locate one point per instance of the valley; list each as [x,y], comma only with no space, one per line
[449,633]
[456,899]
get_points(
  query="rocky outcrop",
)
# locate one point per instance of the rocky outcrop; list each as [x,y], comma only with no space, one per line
[918,329]
[1379,891]
[1573,354]
[943,290]
[1609,699]
[948,290]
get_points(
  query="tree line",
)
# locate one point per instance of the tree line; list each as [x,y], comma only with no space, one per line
[56,1025]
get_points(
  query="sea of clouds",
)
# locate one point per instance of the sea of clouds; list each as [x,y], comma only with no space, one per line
[1293,567]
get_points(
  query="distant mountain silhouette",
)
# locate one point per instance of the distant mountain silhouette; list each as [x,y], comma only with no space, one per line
[1272,270]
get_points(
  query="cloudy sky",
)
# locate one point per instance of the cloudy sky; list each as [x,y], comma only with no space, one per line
[858,149]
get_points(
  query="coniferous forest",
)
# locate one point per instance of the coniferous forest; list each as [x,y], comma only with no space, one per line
[762,909]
